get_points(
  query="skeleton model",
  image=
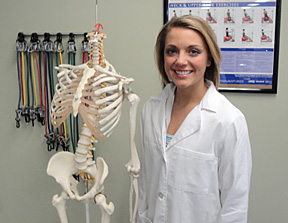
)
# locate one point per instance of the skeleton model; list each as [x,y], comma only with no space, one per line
[96,91]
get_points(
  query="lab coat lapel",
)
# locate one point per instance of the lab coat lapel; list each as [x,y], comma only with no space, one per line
[190,125]
[192,122]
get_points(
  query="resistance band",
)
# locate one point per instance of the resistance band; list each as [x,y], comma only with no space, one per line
[32,112]
[23,79]
[27,86]
[18,110]
[39,110]
[62,140]
[50,136]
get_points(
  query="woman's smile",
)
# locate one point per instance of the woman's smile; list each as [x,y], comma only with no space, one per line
[182,73]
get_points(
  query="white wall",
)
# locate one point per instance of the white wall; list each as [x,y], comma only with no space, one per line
[132,25]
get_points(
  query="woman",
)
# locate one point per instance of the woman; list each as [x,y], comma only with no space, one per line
[196,156]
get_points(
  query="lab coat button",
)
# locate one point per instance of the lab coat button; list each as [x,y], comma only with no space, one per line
[161,195]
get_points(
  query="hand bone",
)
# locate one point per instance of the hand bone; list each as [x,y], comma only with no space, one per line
[133,167]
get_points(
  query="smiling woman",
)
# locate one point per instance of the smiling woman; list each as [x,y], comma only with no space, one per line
[196,153]
[186,59]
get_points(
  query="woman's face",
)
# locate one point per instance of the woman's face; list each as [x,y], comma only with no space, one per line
[185,58]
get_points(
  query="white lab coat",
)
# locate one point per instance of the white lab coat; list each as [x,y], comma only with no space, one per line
[203,176]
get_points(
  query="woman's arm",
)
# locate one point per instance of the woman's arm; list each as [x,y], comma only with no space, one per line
[235,164]
[142,202]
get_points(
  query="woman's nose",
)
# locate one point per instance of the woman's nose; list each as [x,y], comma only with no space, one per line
[181,60]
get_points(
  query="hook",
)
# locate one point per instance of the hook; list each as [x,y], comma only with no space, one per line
[27,119]
[50,140]
[17,124]
[58,46]
[49,148]
[40,115]
[34,45]
[57,143]
[26,114]
[52,146]
[99,25]
[65,145]
[47,43]
[21,44]
[85,46]
[32,116]
[18,114]
[21,37]
[71,43]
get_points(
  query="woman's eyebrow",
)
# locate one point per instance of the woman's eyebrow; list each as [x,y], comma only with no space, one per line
[170,45]
[195,45]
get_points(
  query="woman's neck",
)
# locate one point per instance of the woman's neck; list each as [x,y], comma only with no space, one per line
[188,96]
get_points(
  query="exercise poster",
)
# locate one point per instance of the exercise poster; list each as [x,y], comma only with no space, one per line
[246,33]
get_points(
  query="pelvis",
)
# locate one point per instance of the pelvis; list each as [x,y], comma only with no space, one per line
[62,167]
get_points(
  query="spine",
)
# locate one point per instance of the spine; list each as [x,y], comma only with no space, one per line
[96,49]
[83,155]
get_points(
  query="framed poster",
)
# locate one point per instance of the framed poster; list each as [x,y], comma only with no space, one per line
[247,32]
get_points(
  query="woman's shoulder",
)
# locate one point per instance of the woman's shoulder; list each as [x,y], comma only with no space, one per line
[224,108]
[229,113]
[160,97]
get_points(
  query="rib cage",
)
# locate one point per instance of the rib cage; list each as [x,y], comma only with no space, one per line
[99,104]
[97,95]
[96,91]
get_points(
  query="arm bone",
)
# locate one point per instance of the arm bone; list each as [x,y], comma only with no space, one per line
[133,166]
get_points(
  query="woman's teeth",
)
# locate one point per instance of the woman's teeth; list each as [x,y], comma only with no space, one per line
[182,72]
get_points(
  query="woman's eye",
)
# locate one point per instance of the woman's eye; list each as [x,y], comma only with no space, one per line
[194,52]
[170,51]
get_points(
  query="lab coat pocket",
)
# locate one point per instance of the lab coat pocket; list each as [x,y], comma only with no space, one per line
[191,171]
